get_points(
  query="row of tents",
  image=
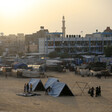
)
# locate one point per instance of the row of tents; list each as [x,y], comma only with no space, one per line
[58,88]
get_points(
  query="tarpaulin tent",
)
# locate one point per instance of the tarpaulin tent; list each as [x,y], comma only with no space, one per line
[60,89]
[50,81]
[20,66]
[36,85]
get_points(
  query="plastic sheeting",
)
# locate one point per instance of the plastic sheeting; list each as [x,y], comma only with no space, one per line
[60,89]
[50,81]
[36,84]
[19,65]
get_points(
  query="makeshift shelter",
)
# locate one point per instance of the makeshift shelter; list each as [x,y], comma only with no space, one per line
[20,66]
[36,85]
[60,89]
[50,81]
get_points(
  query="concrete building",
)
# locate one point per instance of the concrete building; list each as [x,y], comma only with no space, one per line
[45,42]
[32,40]
[94,43]
[106,33]
[12,44]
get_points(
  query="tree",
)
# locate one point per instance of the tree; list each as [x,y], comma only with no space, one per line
[53,54]
[64,55]
[108,51]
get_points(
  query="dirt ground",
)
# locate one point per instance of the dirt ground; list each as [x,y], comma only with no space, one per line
[10,102]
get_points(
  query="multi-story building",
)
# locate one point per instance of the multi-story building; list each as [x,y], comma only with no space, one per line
[45,42]
[92,43]
[12,44]
[32,40]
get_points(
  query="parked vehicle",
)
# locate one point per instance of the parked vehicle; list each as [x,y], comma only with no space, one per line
[97,68]
[54,65]
[83,70]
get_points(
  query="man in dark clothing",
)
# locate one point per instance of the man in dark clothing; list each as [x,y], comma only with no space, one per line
[92,92]
[27,87]
[89,91]
[99,90]
[31,87]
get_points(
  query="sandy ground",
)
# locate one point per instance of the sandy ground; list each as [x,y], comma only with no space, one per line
[10,102]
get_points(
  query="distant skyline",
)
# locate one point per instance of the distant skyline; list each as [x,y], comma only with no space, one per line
[26,16]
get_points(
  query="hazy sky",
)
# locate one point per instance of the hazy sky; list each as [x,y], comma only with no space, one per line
[26,16]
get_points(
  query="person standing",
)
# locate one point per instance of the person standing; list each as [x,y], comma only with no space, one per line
[92,92]
[89,91]
[4,72]
[30,87]
[99,90]
[27,87]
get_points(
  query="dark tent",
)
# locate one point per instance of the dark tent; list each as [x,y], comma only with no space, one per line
[60,89]
[36,85]
[20,66]
[50,81]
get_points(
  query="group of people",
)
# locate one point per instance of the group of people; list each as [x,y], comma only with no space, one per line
[95,91]
[27,87]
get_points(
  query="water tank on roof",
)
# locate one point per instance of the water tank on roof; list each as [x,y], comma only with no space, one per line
[69,35]
[42,28]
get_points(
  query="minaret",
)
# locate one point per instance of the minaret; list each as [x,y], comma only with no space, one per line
[63,26]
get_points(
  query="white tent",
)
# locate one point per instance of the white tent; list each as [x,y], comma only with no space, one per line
[60,89]
[50,81]
[36,85]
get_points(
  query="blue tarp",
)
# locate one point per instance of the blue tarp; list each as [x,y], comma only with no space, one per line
[60,89]
[20,65]
[36,85]
[50,81]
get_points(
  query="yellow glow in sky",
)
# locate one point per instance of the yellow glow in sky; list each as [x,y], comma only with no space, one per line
[13,7]
[10,7]
[26,16]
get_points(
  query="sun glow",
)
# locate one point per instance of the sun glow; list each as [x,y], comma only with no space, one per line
[13,7]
